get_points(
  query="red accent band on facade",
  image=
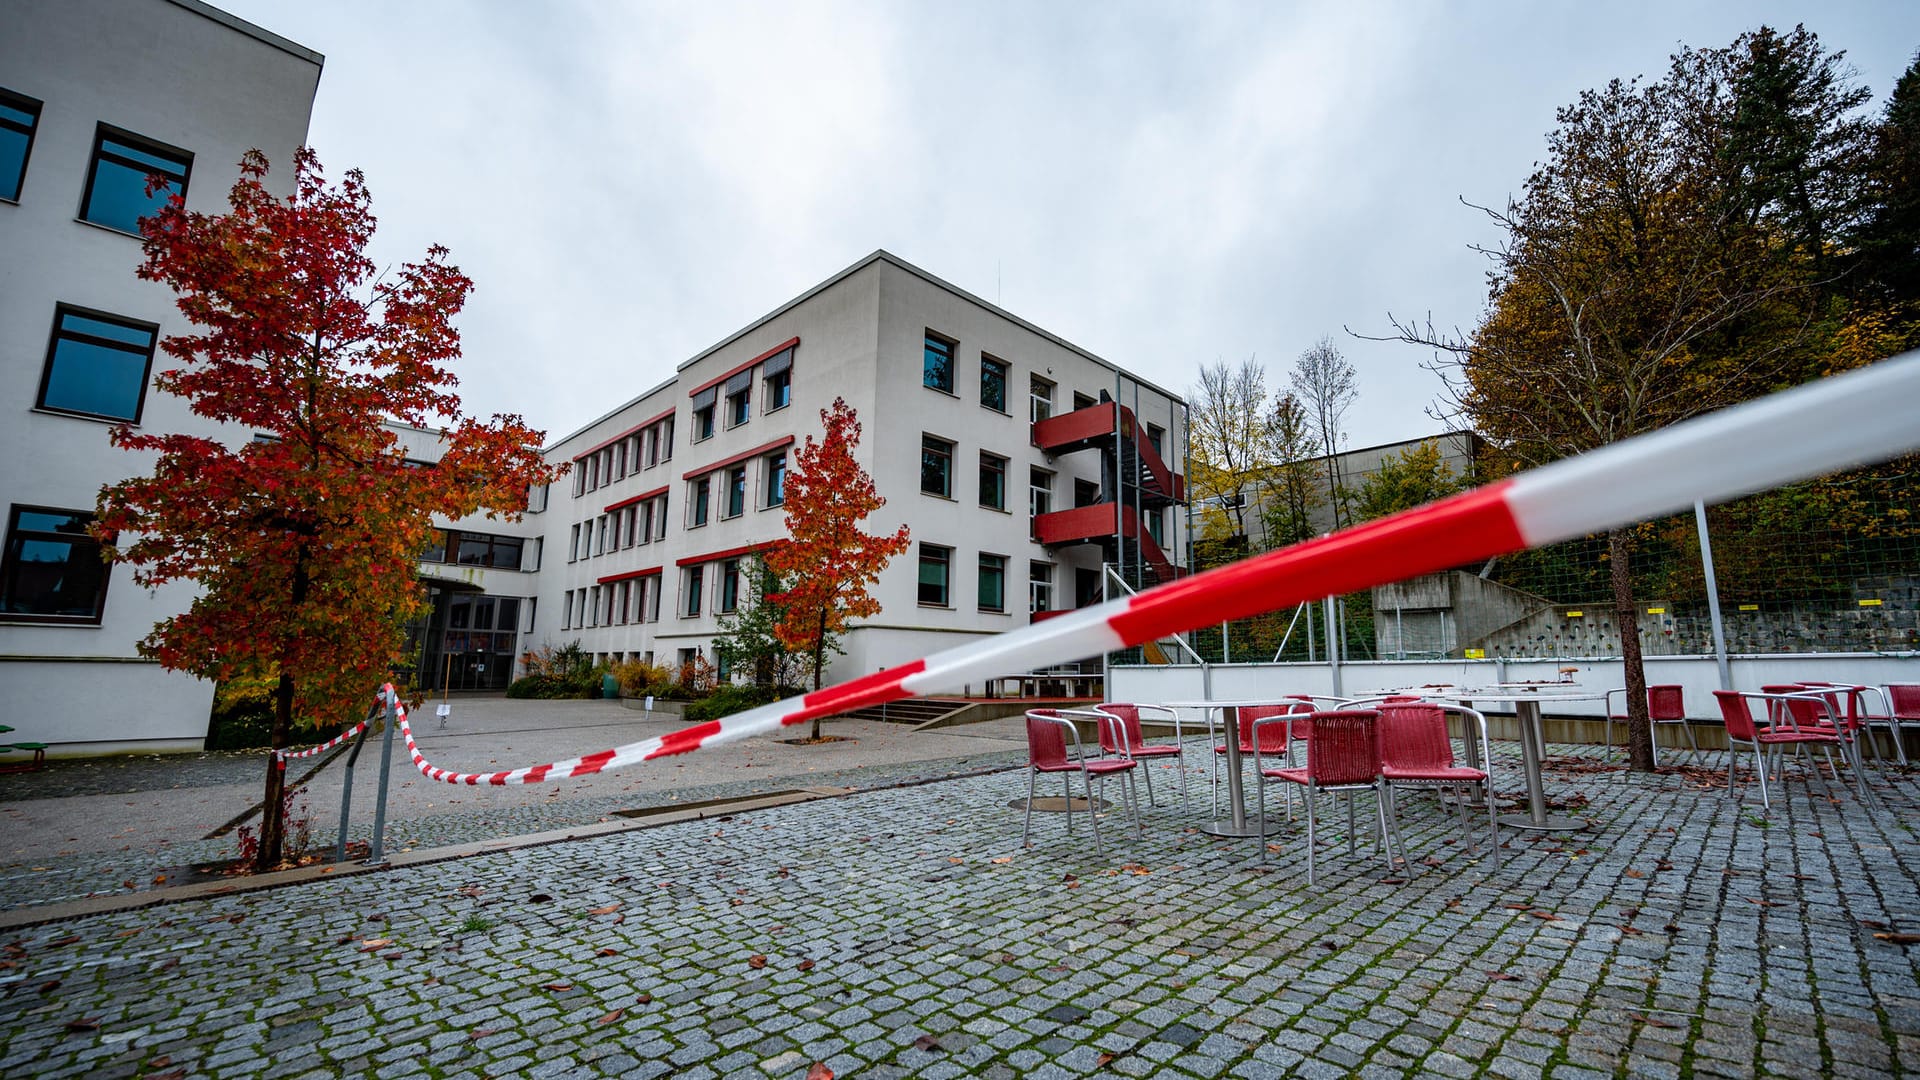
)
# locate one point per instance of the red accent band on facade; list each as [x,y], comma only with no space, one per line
[627,434]
[1467,528]
[777,444]
[631,499]
[731,372]
[729,553]
[630,575]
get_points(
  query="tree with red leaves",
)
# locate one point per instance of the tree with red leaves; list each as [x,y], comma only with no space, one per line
[829,559]
[303,523]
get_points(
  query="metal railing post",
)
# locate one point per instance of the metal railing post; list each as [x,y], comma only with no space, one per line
[377,853]
[346,796]
[1713,596]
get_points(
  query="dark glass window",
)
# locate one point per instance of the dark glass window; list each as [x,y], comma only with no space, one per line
[1081,401]
[776,480]
[736,491]
[97,365]
[19,116]
[730,585]
[116,193]
[703,423]
[993,384]
[933,574]
[696,583]
[52,569]
[1157,438]
[702,490]
[779,390]
[436,549]
[993,481]
[739,408]
[936,466]
[483,549]
[993,583]
[937,364]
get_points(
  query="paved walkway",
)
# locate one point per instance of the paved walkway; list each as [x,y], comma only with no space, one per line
[904,931]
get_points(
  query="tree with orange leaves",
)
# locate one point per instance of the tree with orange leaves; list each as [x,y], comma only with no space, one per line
[304,523]
[828,558]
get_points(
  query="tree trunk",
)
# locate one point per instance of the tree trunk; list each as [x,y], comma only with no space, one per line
[819,665]
[272,821]
[1626,616]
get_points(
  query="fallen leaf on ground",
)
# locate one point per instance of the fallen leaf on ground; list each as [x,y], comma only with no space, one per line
[1900,939]
[480,1033]
[756,961]
[612,1016]
[607,910]
[1501,976]
[929,1043]
[376,943]
[1630,872]
[805,965]
[558,988]
[607,952]
[644,999]
[819,1071]
[85,1023]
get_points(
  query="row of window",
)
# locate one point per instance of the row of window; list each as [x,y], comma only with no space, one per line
[990,580]
[637,523]
[116,193]
[627,456]
[732,398]
[482,549]
[936,373]
[615,603]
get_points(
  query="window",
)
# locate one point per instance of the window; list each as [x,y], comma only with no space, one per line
[623,605]
[660,519]
[736,491]
[702,491]
[97,365]
[1039,492]
[18,117]
[620,460]
[993,384]
[484,549]
[116,194]
[1039,399]
[573,545]
[993,481]
[1085,492]
[629,533]
[600,535]
[1040,586]
[936,371]
[703,405]
[579,479]
[936,466]
[739,407]
[776,492]
[593,473]
[934,561]
[593,607]
[650,443]
[696,582]
[654,589]
[730,585]
[1081,401]
[778,373]
[1157,438]
[993,582]
[666,439]
[52,570]
[1157,526]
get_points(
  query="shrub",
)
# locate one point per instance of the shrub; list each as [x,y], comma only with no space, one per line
[730,699]
[565,672]
[638,679]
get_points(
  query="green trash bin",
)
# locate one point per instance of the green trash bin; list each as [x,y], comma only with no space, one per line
[610,688]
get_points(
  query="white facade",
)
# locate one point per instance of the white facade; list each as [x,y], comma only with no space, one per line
[862,336]
[167,81]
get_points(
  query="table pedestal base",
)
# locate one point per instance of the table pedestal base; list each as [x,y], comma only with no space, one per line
[1552,822]
[1225,827]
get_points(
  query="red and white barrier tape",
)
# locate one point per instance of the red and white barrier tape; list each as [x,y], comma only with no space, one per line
[285,755]
[1813,429]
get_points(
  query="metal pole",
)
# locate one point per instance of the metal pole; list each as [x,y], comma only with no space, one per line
[1333,642]
[346,796]
[1713,596]
[377,854]
[1226,646]
[1311,650]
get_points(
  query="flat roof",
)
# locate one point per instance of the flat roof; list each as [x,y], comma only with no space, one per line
[261,34]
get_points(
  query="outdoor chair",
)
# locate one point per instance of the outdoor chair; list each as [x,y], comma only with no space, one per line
[1666,704]
[1848,702]
[1123,737]
[1903,711]
[1416,752]
[1050,732]
[1343,758]
[1275,739]
[1812,710]
[1737,714]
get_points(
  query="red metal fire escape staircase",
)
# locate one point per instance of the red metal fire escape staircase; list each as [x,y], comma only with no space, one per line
[1141,470]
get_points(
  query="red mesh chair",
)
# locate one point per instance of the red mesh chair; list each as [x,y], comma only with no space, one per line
[1903,710]
[1344,757]
[1274,738]
[1050,734]
[1737,714]
[1666,704]
[1849,706]
[1817,711]
[1416,752]
[1123,737]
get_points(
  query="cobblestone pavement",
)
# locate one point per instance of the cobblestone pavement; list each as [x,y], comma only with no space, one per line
[904,931]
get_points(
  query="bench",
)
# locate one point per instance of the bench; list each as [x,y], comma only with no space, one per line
[9,764]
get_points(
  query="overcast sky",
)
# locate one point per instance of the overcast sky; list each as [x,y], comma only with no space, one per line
[1162,184]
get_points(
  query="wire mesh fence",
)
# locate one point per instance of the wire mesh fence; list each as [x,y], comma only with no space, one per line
[1831,565]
